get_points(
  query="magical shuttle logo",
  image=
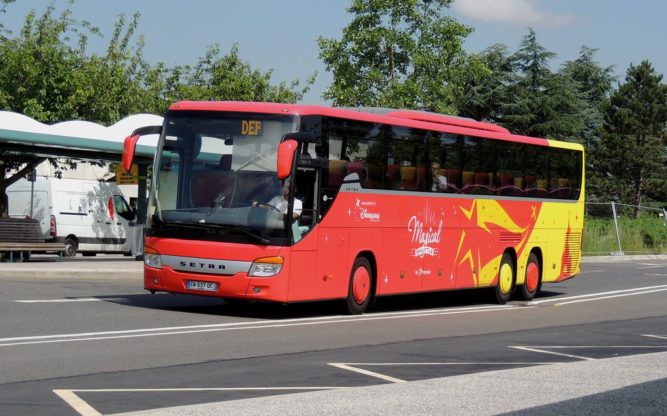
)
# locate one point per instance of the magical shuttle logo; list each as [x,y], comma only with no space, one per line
[425,230]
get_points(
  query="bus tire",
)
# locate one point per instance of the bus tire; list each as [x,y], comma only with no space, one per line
[360,288]
[71,246]
[532,282]
[506,279]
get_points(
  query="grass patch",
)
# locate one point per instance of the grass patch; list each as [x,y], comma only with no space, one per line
[645,235]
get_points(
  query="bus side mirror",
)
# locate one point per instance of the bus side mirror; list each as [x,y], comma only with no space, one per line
[286,152]
[129,146]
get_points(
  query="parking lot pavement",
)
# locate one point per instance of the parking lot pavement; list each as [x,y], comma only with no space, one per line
[584,387]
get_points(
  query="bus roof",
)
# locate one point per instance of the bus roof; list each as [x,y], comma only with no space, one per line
[406,118]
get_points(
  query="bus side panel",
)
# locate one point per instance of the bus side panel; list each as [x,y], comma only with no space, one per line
[562,227]
[332,262]
[307,281]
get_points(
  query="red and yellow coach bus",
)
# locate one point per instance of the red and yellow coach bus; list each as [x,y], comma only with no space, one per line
[373,202]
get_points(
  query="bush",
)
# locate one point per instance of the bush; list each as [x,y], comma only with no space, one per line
[645,235]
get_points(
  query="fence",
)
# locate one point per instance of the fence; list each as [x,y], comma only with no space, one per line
[613,228]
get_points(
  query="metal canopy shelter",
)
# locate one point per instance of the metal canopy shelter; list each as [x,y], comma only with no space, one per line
[79,140]
[51,145]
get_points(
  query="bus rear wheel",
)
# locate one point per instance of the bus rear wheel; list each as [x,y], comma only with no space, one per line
[506,280]
[360,289]
[531,285]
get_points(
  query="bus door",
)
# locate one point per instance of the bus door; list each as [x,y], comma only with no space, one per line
[305,281]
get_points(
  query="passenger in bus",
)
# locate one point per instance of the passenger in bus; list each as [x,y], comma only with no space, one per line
[439,180]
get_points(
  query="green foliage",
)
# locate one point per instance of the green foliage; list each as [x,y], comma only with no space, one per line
[540,103]
[485,84]
[402,54]
[227,77]
[594,84]
[48,74]
[648,234]
[632,143]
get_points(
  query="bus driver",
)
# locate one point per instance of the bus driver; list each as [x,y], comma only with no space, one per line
[279,202]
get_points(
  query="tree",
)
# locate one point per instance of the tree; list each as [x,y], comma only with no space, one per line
[485,85]
[539,102]
[631,152]
[403,54]
[227,77]
[48,75]
[594,84]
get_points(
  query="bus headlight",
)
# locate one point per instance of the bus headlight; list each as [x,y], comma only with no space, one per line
[266,267]
[152,258]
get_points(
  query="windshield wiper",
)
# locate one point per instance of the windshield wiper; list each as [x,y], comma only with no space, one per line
[202,225]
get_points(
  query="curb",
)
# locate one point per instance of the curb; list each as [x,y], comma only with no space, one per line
[73,273]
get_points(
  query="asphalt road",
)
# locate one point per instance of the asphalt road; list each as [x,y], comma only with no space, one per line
[98,344]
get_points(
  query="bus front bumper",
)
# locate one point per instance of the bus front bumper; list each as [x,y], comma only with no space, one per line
[239,286]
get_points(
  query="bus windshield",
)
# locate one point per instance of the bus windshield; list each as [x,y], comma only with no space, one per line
[215,174]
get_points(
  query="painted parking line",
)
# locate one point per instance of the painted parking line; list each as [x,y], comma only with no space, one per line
[72,398]
[355,367]
[350,367]
[650,266]
[70,300]
[541,350]
[238,326]
[655,336]
[558,301]
[547,349]
[645,292]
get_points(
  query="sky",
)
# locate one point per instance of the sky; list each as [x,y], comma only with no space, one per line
[282,35]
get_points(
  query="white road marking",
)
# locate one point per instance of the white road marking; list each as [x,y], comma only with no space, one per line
[611,296]
[367,372]
[453,363]
[68,300]
[78,404]
[592,271]
[355,366]
[545,349]
[629,292]
[164,331]
[541,351]
[650,266]
[231,326]
[84,409]
[655,336]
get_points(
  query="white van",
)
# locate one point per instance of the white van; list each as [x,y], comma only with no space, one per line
[88,216]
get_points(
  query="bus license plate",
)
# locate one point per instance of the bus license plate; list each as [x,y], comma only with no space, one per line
[205,286]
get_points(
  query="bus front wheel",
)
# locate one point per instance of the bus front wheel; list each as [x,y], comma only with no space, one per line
[506,280]
[360,289]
